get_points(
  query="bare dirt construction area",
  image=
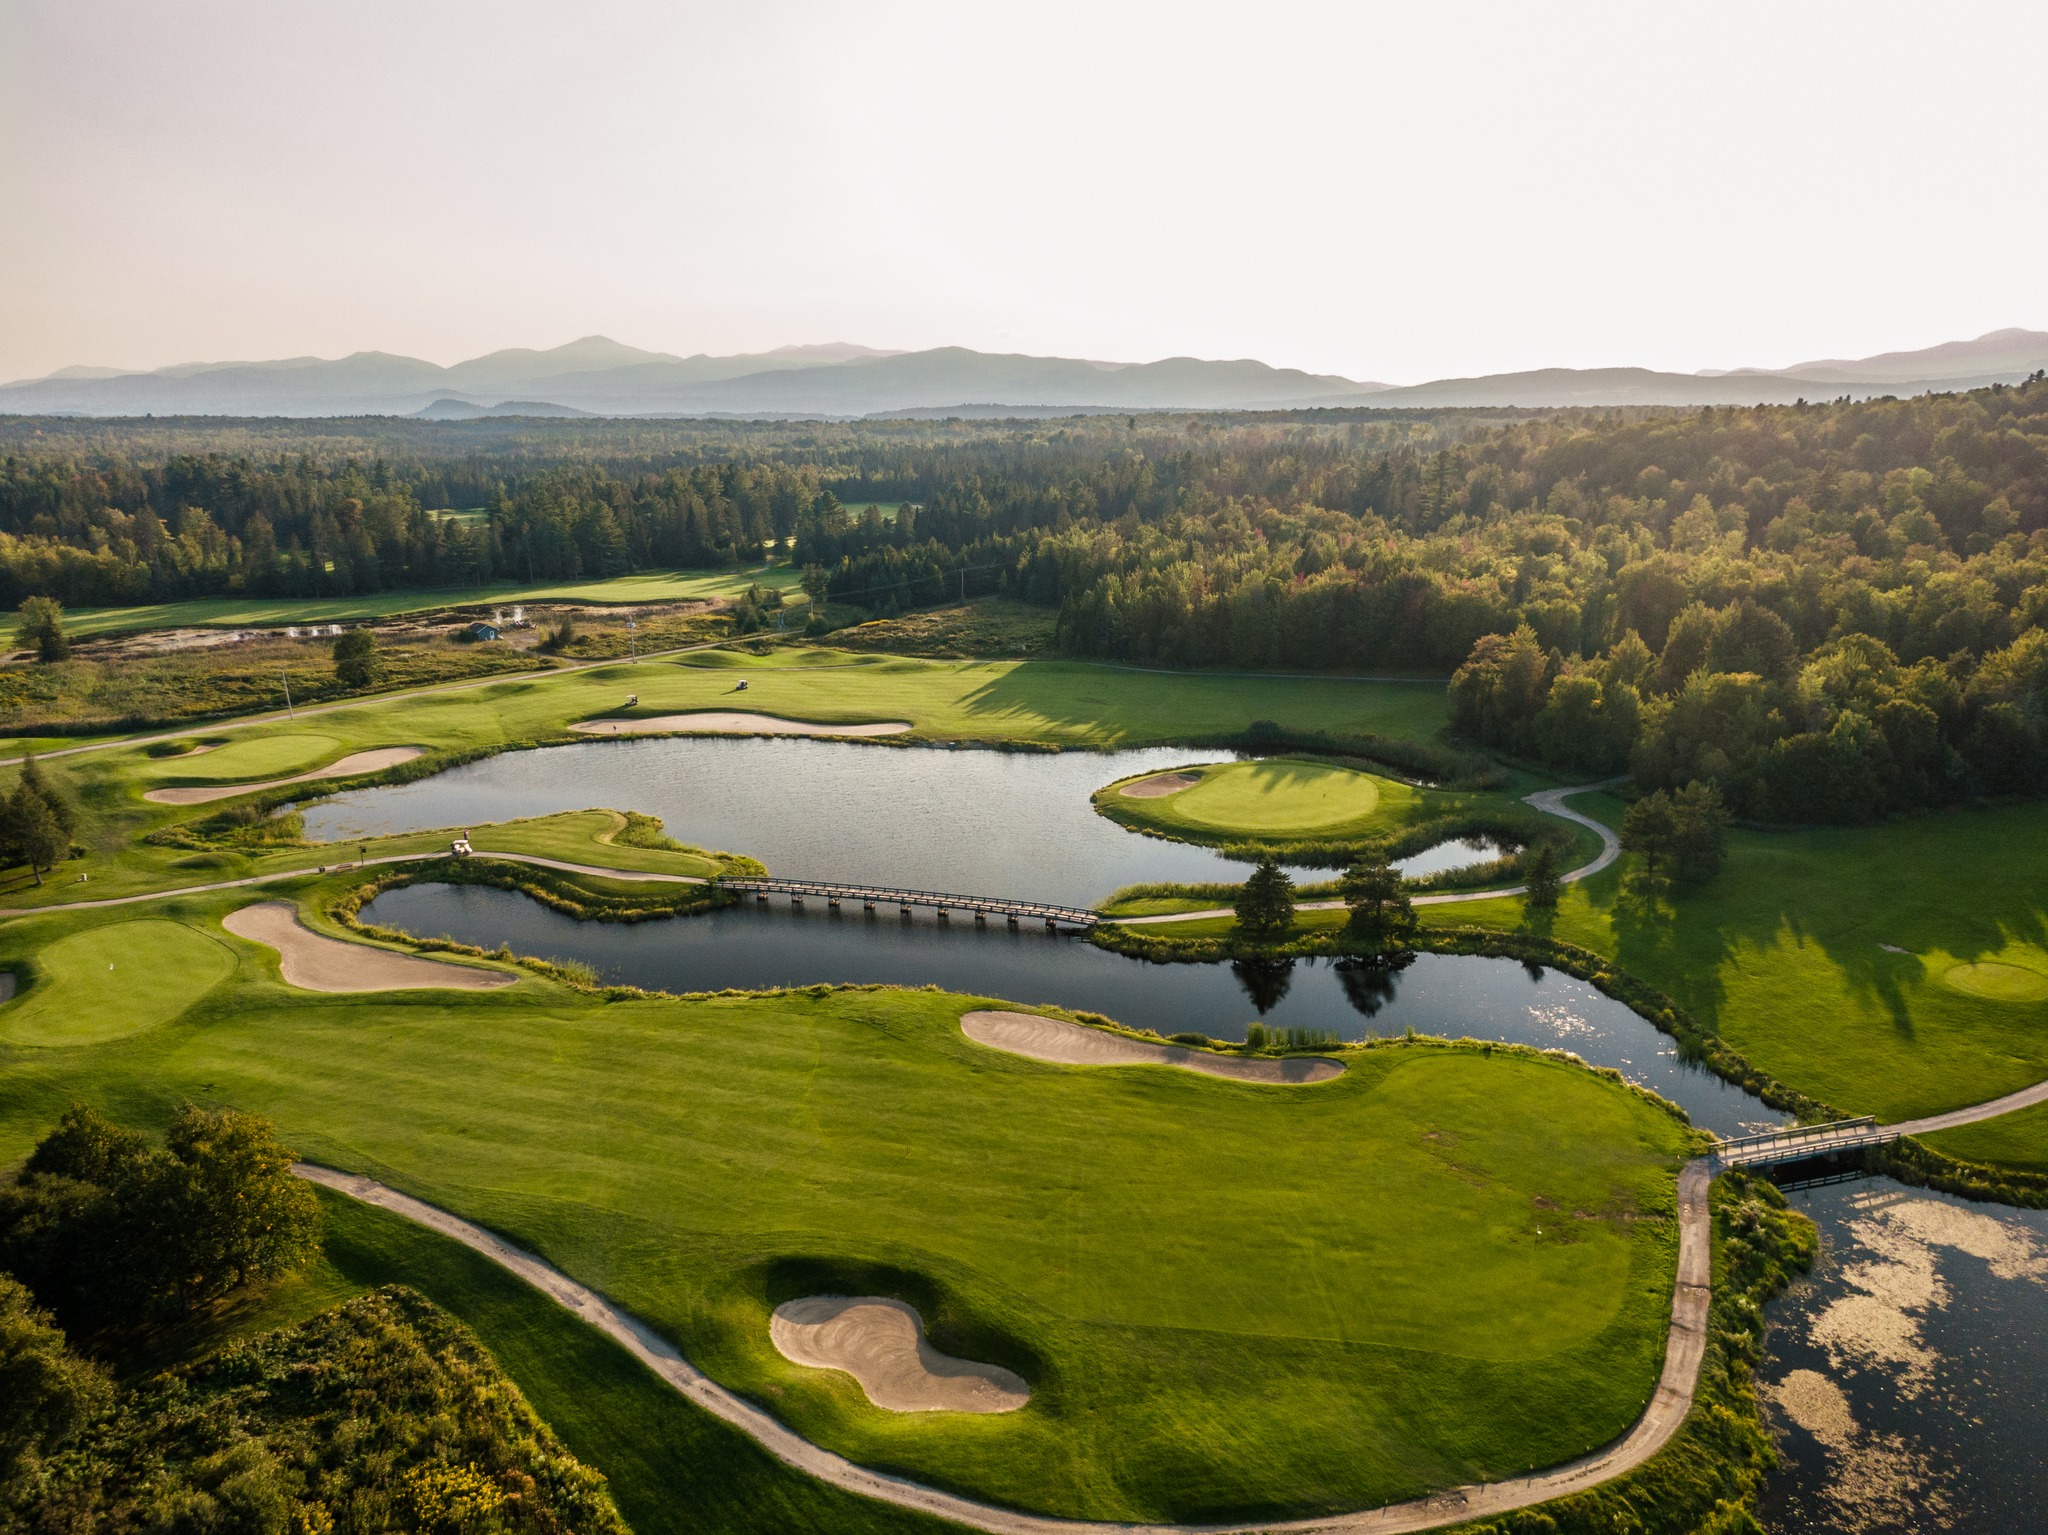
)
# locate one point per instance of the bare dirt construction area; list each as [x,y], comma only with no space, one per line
[1159,785]
[729,722]
[881,1343]
[1071,1044]
[313,962]
[355,762]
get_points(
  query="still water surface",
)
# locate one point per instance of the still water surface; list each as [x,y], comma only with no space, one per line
[749,946]
[1015,824]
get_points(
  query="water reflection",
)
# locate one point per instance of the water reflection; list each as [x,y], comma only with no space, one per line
[1909,1378]
[1265,981]
[985,822]
[750,946]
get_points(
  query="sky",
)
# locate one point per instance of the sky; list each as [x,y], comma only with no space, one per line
[1395,192]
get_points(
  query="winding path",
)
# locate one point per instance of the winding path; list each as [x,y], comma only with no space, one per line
[1684,1351]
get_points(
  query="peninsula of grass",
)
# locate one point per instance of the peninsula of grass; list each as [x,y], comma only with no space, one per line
[1156,1252]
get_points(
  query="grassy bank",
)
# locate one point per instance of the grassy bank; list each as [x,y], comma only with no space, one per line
[1014,703]
[1487,1233]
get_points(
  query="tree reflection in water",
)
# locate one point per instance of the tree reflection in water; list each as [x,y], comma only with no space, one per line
[1369,984]
[1265,981]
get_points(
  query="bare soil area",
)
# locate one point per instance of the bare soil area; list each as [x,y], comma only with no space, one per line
[729,722]
[314,962]
[355,762]
[1071,1044]
[881,1343]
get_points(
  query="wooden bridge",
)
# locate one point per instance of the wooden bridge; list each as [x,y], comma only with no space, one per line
[871,896]
[1803,1141]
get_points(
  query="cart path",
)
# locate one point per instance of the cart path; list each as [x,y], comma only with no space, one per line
[1667,1408]
[1684,1350]
[1549,801]
[342,866]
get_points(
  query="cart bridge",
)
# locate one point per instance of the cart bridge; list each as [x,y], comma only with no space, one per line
[982,907]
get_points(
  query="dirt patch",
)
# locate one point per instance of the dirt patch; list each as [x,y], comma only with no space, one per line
[313,962]
[1159,785]
[729,723]
[355,762]
[1070,1044]
[7,984]
[881,1343]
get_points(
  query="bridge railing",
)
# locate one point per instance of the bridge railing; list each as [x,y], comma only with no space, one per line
[938,899]
[1805,1141]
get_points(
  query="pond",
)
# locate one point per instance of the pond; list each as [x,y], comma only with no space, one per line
[752,946]
[1908,1379]
[1016,824]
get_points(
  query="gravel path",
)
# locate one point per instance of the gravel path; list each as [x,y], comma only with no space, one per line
[1666,1410]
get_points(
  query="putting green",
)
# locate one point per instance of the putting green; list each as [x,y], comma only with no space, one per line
[1998,982]
[114,981]
[1280,795]
[252,757]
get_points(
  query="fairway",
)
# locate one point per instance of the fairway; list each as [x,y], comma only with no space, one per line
[1830,958]
[115,980]
[249,756]
[1153,1251]
[647,586]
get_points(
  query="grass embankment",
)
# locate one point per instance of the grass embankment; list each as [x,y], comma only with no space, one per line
[1056,703]
[1153,1250]
[253,612]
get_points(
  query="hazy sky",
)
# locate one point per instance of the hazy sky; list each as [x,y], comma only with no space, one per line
[1397,192]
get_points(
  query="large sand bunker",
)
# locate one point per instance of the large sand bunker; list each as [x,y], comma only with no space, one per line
[729,722]
[1070,1044]
[355,762]
[314,962]
[1159,785]
[881,1343]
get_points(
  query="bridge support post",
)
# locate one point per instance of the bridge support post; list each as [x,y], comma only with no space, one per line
[796,900]
[868,907]
[981,919]
[1052,925]
[1012,919]
[906,911]
[833,903]
[761,897]
[944,915]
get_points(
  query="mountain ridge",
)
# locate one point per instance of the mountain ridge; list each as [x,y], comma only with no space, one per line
[595,375]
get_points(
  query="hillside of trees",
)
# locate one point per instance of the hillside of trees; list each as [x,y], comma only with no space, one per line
[1830,610]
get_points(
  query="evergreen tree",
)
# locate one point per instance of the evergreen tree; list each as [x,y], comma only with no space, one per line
[39,626]
[1381,912]
[1265,904]
[1539,873]
[1650,831]
[356,662]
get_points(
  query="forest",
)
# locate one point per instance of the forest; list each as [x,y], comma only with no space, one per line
[1831,610]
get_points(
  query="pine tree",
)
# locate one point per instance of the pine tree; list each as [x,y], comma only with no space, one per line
[1265,906]
[1539,874]
[1381,912]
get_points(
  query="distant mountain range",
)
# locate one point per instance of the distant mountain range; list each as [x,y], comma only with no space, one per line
[600,377]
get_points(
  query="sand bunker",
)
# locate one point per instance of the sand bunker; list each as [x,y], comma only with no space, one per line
[1070,1044]
[881,1343]
[355,762]
[314,962]
[1159,785]
[729,723]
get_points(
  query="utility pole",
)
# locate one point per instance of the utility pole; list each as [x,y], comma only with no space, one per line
[281,677]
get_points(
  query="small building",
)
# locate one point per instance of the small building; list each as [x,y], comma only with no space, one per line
[483,631]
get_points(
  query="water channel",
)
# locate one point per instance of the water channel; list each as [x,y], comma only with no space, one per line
[1907,1381]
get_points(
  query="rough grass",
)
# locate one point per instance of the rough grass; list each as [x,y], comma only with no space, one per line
[1789,956]
[96,692]
[1152,1250]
